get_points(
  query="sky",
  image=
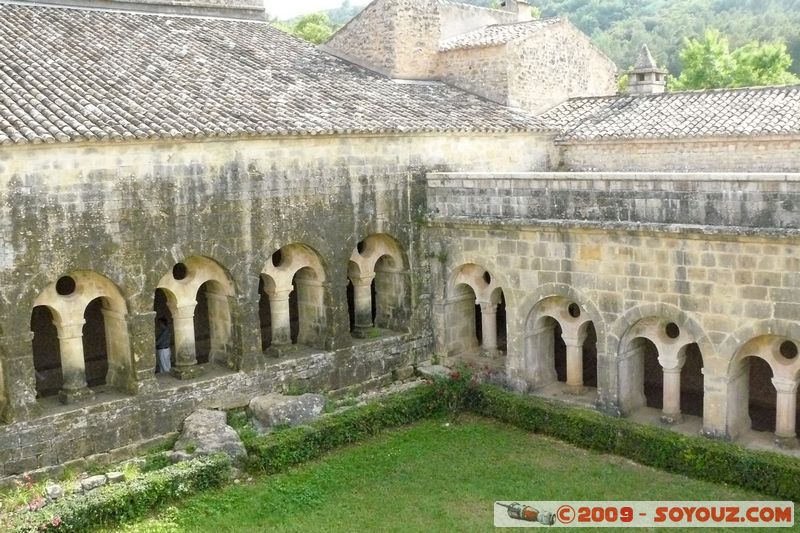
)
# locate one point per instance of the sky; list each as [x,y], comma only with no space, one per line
[284,9]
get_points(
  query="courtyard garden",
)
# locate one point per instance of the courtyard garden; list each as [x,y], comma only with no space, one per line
[432,458]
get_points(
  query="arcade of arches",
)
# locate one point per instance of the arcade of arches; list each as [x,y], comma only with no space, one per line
[656,367]
[80,340]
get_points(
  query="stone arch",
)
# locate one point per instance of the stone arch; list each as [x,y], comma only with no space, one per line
[67,299]
[378,274]
[524,370]
[198,277]
[655,340]
[295,282]
[752,394]
[557,322]
[473,298]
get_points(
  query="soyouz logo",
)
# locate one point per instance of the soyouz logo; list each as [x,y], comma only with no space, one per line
[643,514]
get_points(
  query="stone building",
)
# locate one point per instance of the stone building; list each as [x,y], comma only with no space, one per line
[438,181]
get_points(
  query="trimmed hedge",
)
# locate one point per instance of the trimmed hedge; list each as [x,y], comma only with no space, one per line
[277,451]
[693,456]
[129,500]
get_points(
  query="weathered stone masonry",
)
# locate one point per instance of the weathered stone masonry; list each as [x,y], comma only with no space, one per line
[699,265]
[223,209]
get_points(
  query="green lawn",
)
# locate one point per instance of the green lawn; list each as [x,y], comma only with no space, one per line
[434,476]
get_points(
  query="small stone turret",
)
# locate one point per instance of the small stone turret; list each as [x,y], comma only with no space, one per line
[646,77]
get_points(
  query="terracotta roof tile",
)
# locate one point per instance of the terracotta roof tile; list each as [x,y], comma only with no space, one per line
[713,113]
[86,75]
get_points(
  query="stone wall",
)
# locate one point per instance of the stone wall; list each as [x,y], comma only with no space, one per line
[738,200]
[555,64]
[118,218]
[723,291]
[482,71]
[779,154]
[109,428]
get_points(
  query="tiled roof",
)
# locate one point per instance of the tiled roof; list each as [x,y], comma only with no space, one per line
[84,75]
[713,113]
[495,34]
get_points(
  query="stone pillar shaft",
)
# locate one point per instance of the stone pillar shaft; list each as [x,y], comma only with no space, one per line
[185,353]
[362,302]
[785,409]
[279,316]
[672,394]
[574,364]
[73,365]
[489,326]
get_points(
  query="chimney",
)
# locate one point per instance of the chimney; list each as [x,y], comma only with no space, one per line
[520,7]
[646,77]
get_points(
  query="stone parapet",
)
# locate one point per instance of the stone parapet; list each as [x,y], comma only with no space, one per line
[735,200]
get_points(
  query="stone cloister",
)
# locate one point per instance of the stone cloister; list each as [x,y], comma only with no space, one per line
[327,218]
[653,359]
[83,308]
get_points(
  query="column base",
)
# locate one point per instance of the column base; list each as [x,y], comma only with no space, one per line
[71,396]
[670,419]
[365,332]
[280,350]
[187,372]
[786,443]
[492,353]
[575,390]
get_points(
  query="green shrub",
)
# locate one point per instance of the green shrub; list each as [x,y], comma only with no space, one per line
[155,461]
[277,451]
[126,501]
[693,456]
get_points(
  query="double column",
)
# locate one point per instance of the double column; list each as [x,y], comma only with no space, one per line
[362,304]
[785,411]
[489,329]
[185,354]
[280,321]
[574,346]
[671,358]
[73,364]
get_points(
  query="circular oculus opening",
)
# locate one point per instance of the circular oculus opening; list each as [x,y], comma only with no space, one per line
[179,271]
[574,310]
[788,349]
[487,278]
[672,330]
[65,285]
[361,247]
[276,258]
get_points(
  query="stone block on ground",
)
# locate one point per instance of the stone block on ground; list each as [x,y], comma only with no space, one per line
[206,432]
[93,482]
[115,477]
[275,409]
[434,371]
[54,492]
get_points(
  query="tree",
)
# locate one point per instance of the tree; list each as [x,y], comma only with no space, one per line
[315,28]
[708,63]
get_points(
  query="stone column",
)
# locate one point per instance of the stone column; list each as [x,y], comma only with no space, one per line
[73,365]
[489,329]
[280,320]
[785,409]
[574,364]
[185,354]
[362,304]
[671,399]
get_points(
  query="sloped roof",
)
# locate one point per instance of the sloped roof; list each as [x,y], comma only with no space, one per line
[713,113]
[84,75]
[496,34]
